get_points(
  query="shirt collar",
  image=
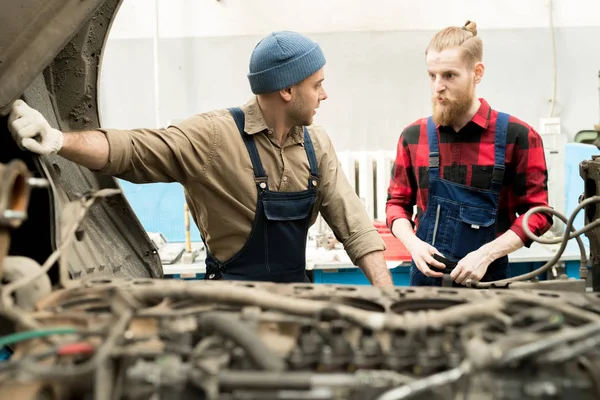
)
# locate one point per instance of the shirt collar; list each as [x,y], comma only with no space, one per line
[483,115]
[255,122]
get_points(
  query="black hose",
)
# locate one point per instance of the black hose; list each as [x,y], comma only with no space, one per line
[240,334]
[562,240]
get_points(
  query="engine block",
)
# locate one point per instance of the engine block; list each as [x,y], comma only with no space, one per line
[148,339]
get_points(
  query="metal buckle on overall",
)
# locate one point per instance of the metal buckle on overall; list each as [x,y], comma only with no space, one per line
[498,173]
[214,272]
[314,180]
[434,160]
[262,183]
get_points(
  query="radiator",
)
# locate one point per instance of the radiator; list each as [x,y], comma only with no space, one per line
[369,173]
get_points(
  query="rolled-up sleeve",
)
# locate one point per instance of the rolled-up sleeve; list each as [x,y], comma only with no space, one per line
[342,209]
[530,187]
[160,155]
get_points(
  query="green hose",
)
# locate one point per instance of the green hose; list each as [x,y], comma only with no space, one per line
[38,333]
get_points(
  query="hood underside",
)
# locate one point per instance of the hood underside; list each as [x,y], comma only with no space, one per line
[50,52]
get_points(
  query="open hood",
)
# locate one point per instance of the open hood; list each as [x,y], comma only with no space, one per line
[50,52]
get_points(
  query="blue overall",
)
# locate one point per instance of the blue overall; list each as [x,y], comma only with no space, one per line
[276,248]
[466,215]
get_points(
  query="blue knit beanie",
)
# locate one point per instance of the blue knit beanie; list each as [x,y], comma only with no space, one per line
[283,59]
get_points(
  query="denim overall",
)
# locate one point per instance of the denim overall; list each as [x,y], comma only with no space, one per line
[460,219]
[276,248]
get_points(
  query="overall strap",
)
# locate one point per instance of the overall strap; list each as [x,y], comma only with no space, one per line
[260,176]
[313,179]
[434,152]
[499,151]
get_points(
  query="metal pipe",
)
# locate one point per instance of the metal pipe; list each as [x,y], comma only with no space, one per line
[14,193]
[14,201]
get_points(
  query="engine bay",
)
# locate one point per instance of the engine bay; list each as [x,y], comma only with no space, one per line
[126,338]
[145,339]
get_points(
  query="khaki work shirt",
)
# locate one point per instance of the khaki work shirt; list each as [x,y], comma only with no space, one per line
[207,155]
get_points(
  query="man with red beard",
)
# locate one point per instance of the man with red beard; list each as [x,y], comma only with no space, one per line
[469,169]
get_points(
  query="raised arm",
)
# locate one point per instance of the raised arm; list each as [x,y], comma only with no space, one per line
[87,148]
[141,155]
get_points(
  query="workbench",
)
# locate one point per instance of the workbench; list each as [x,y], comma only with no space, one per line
[334,266]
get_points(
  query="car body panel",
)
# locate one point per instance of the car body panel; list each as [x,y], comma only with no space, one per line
[50,53]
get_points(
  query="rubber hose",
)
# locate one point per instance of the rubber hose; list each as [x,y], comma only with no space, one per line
[264,381]
[244,337]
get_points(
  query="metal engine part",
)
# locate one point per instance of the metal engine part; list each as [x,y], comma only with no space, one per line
[145,339]
[19,268]
[14,199]
[589,170]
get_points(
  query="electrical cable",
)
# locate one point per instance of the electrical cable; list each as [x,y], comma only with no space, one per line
[100,356]
[562,240]
[78,348]
[12,311]
[34,334]
[69,349]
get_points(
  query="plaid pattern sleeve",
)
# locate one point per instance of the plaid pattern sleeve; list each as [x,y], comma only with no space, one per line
[467,158]
[403,189]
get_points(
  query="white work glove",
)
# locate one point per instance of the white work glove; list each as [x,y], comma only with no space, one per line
[31,131]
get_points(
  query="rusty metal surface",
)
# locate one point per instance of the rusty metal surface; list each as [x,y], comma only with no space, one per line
[14,200]
[4,246]
[14,193]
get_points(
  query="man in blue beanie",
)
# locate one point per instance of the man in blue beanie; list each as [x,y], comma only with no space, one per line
[255,177]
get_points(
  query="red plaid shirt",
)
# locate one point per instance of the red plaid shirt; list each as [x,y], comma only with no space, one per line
[467,158]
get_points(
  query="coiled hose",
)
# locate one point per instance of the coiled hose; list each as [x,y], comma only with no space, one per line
[562,240]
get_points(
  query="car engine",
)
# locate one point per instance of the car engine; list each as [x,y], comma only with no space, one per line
[140,339]
[85,315]
[148,339]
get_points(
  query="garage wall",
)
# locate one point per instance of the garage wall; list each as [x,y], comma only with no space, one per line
[375,74]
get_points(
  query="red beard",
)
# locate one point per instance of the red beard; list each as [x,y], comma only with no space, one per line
[450,111]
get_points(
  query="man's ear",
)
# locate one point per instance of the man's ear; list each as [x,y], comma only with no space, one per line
[478,71]
[286,94]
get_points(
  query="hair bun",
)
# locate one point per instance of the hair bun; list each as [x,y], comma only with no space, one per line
[470,26]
